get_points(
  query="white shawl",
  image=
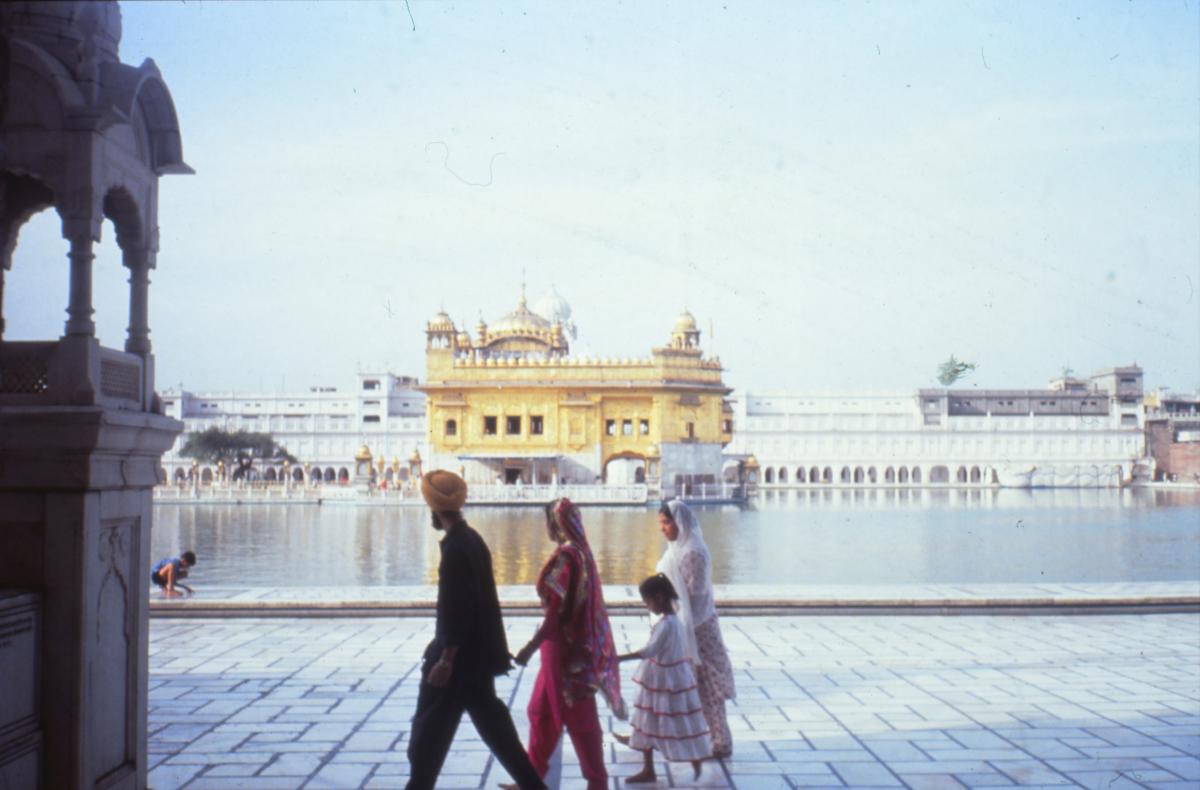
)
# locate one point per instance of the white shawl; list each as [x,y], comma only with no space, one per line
[695,601]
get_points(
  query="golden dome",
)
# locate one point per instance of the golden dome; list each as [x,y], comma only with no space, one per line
[521,320]
[363,454]
[752,462]
[441,323]
[686,322]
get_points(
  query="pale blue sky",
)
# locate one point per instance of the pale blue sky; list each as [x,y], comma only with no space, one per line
[848,193]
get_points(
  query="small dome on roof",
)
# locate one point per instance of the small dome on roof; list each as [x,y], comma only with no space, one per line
[521,320]
[553,307]
[686,322]
[441,323]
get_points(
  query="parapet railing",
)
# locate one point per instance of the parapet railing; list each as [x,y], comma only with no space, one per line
[706,492]
[478,494]
[73,372]
[633,493]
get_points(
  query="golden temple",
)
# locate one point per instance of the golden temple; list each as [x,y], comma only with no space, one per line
[514,405]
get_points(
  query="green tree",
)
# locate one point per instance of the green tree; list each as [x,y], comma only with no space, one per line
[952,370]
[238,449]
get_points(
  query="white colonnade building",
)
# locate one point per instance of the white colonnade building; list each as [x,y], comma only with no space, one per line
[323,427]
[1077,432]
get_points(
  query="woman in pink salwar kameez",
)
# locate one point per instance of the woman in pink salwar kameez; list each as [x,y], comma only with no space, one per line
[577,651]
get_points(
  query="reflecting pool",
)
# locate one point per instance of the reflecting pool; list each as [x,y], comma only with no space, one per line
[795,537]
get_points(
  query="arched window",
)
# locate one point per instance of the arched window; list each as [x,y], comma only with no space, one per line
[769,475]
[343,475]
[916,475]
[976,475]
[827,475]
[858,474]
[206,476]
[800,474]
[872,476]
[902,476]
[889,475]
[270,474]
[845,476]
[298,475]
[961,475]
[814,475]
[451,428]
[783,474]
[939,474]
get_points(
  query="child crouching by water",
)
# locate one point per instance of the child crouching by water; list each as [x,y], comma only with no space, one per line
[667,714]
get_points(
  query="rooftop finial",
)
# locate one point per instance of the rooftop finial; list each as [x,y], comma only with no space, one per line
[522,286]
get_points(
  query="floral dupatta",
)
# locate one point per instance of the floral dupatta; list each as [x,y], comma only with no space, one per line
[570,585]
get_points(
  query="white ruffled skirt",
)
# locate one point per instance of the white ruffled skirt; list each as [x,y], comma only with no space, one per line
[667,714]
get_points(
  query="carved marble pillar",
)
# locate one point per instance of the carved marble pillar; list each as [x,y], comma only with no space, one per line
[75,512]
[3,269]
[138,339]
[79,305]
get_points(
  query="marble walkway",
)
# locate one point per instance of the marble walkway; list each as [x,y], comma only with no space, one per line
[823,701]
[1142,596]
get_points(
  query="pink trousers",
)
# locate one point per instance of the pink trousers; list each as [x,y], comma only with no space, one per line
[549,713]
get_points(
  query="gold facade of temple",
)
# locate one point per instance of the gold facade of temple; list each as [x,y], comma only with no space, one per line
[513,405]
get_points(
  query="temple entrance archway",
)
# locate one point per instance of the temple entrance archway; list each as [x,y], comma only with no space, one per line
[625,469]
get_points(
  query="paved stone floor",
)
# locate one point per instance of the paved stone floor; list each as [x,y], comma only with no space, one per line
[920,702]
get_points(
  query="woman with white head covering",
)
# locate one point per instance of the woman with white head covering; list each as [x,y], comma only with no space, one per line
[688,565]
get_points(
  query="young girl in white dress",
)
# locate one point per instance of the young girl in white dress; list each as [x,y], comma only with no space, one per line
[667,714]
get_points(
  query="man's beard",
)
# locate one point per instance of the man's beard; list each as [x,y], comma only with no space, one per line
[435,523]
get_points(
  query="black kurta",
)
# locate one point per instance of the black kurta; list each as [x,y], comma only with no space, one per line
[468,617]
[468,610]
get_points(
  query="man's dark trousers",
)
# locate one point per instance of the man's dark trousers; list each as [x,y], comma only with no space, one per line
[438,712]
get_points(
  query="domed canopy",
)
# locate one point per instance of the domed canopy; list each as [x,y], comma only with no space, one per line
[64,28]
[363,454]
[441,323]
[521,320]
[553,307]
[686,322]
